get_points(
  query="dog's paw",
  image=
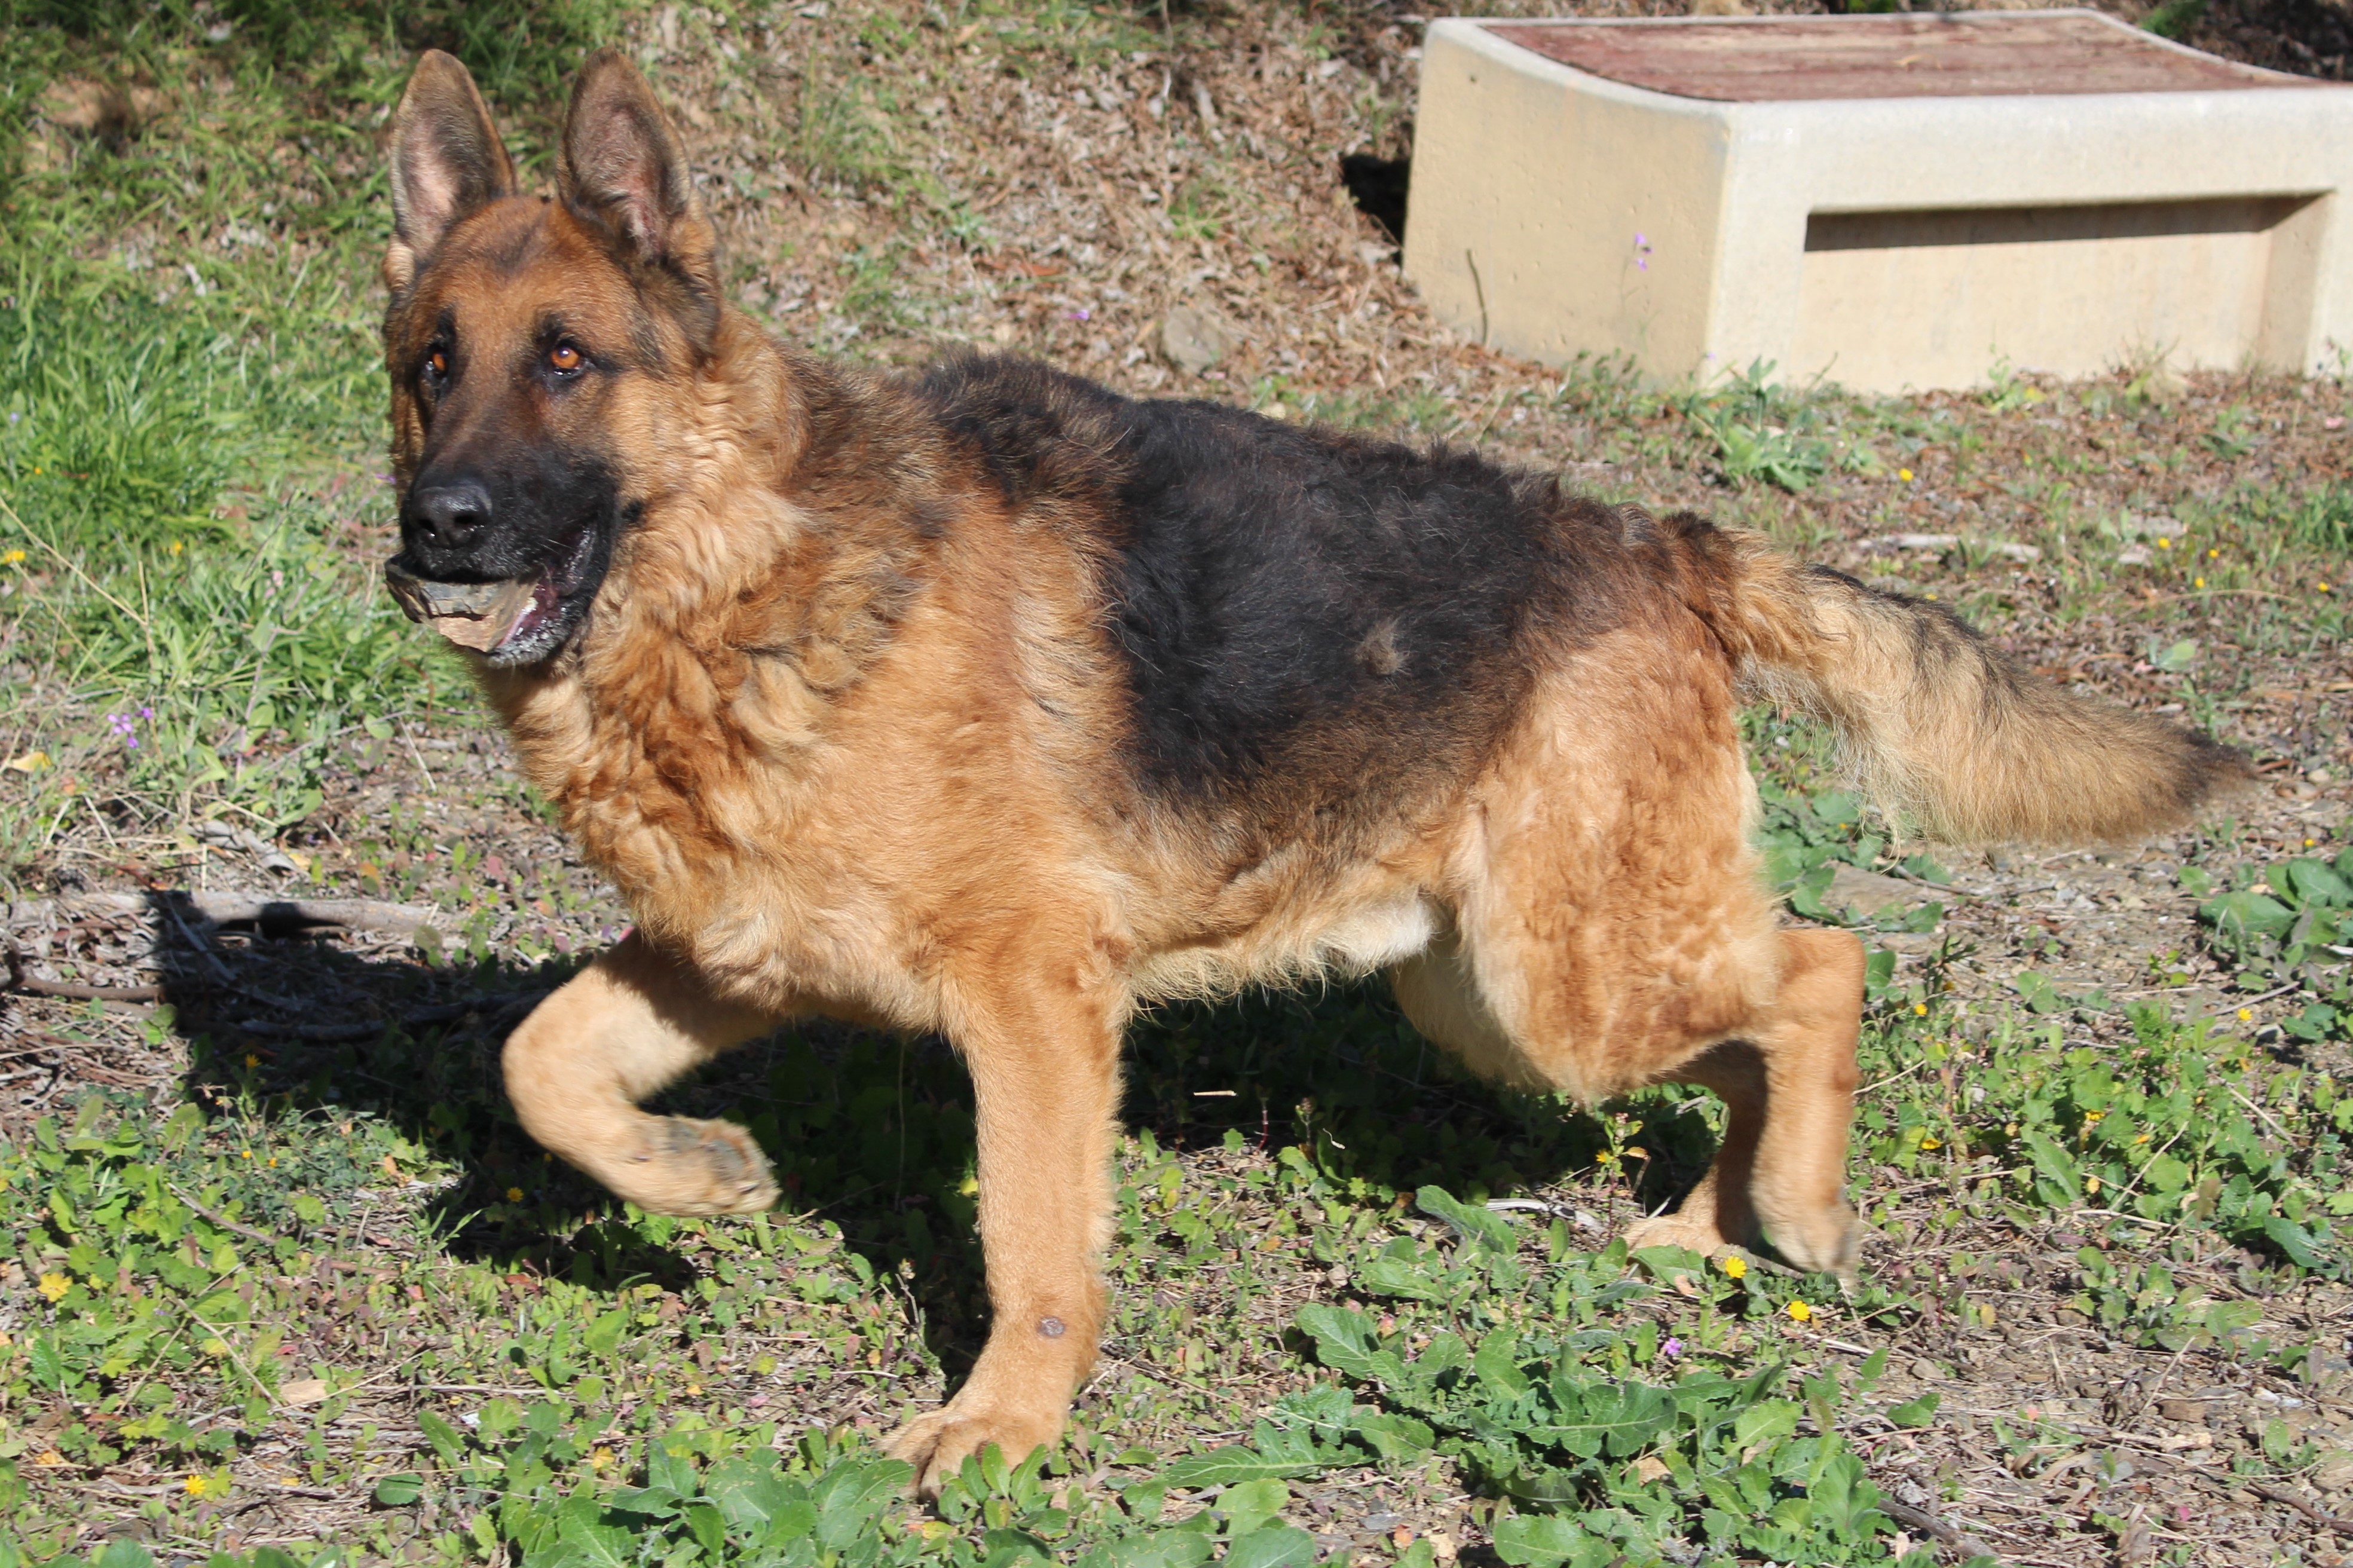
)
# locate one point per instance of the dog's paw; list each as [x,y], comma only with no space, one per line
[684,1166]
[1825,1242]
[938,1444]
[1682,1228]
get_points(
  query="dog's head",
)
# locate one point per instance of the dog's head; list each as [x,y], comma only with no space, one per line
[542,351]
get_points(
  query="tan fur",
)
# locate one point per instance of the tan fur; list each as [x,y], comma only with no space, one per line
[1949,732]
[839,764]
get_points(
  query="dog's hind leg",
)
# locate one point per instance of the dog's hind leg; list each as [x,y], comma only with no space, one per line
[632,1022]
[1789,1094]
[1044,1057]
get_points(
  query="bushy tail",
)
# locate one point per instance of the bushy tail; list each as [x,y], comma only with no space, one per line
[1940,725]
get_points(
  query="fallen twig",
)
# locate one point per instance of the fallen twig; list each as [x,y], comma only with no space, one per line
[236,908]
[226,1222]
[34,985]
[1936,1529]
[2281,1494]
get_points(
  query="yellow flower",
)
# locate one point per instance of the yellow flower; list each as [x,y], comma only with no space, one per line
[1903,474]
[1930,1145]
[1736,1265]
[2213,556]
[2163,543]
[251,1061]
[515,1195]
[2322,586]
[48,1458]
[600,1458]
[2246,1014]
[1799,1312]
[12,558]
[1919,1009]
[193,1486]
[2091,1186]
[176,547]
[2198,583]
[55,1286]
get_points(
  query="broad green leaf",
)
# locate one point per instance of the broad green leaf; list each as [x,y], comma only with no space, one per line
[1232,1465]
[2309,882]
[851,1495]
[1768,1422]
[1246,1505]
[603,1337]
[1495,1366]
[1347,1343]
[2303,1247]
[400,1490]
[1550,1540]
[2243,916]
[1273,1546]
[442,1436]
[1386,1275]
[597,1546]
[1474,1223]
[1400,1439]
[1915,1412]
[1162,1548]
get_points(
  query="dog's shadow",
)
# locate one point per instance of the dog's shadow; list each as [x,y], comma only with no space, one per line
[871,1131]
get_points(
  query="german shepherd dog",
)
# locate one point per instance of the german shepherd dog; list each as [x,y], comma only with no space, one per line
[987,701]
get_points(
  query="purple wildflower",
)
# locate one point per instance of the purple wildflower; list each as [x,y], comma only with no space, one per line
[1671,1348]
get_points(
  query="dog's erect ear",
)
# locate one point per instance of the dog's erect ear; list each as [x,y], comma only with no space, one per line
[624,163]
[447,161]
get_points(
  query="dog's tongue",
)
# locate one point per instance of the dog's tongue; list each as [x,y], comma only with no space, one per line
[478,616]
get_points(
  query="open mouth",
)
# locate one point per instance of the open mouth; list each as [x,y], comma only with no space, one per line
[513,621]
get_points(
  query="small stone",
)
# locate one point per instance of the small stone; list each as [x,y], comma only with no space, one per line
[2190,1412]
[1722,8]
[302,1391]
[1194,340]
[1852,886]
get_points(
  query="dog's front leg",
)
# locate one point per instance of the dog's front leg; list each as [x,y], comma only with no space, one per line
[1045,1072]
[631,1022]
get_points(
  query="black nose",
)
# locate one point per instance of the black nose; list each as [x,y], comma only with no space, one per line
[450,512]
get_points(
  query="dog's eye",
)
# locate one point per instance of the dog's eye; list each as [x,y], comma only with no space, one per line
[437,366]
[564,359]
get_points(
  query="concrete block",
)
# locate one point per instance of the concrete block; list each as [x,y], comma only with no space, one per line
[1888,202]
